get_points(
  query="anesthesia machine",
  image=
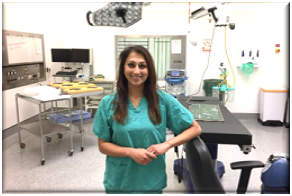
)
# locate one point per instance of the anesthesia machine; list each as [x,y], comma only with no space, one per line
[175,82]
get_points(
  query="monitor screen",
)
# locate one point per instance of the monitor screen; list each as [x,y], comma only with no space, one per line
[80,55]
[175,73]
[61,55]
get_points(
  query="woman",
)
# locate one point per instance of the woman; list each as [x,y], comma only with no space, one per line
[131,127]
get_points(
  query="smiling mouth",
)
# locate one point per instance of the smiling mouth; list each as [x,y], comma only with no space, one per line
[136,77]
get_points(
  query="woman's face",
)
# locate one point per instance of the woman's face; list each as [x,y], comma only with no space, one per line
[136,70]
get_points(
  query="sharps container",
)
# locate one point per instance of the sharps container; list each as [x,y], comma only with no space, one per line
[272,106]
[231,91]
[215,91]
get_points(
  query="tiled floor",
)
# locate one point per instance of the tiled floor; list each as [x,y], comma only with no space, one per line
[83,172]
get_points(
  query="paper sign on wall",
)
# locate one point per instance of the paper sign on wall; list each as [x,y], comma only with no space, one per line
[39,46]
[176,46]
[206,45]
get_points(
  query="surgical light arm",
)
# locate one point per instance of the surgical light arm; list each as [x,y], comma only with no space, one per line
[222,19]
[201,12]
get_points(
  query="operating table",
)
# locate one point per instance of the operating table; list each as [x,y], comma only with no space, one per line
[229,131]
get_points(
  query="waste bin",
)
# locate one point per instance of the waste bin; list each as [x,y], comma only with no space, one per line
[272,106]
[208,84]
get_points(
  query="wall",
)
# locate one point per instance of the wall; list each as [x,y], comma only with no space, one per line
[22,17]
[64,25]
[257,26]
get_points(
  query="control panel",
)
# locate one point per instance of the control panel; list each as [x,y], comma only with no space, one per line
[175,73]
[16,76]
[23,59]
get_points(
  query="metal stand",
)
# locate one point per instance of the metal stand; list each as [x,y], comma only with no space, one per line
[80,125]
[218,165]
[43,127]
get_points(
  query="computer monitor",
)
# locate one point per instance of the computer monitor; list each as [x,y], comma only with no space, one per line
[80,55]
[61,55]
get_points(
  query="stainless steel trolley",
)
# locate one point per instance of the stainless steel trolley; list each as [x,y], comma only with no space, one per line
[80,123]
[44,127]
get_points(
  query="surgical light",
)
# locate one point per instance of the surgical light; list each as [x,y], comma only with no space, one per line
[221,20]
[117,14]
[203,12]
[199,13]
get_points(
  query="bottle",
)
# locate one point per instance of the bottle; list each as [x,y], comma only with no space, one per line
[215,91]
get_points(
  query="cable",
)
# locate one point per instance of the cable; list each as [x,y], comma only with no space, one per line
[37,80]
[228,59]
[222,77]
[181,165]
[226,98]
[182,151]
[208,60]
[68,65]
[206,67]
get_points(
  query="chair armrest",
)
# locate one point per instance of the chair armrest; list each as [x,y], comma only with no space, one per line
[246,167]
[246,164]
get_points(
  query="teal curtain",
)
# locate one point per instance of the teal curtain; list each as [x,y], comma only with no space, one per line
[161,56]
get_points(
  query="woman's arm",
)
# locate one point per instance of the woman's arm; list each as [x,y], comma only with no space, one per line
[193,131]
[140,155]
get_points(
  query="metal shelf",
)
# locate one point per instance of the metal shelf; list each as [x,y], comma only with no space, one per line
[77,123]
[70,76]
[49,127]
[84,94]
[43,127]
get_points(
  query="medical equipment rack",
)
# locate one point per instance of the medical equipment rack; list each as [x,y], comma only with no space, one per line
[80,123]
[43,127]
[92,102]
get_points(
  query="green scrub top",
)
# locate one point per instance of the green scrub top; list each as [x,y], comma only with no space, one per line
[123,174]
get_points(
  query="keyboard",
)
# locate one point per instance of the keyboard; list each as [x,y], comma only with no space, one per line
[67,73]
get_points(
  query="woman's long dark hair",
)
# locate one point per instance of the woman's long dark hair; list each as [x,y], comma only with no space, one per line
[150,92]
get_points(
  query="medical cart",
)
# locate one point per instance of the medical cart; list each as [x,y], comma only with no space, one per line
[80,123]
[43,127]
[92,102]
[80,91]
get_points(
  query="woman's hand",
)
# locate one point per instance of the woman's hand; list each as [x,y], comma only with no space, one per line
[159,149]
[141,156]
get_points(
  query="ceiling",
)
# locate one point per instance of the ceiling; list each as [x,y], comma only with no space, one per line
[93,6]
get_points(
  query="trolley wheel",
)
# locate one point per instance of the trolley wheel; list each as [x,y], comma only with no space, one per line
[221,176]
[70,153]
[81,130]
[59,135]
[22,145]
[82,148]
[48,139]
[43,162]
